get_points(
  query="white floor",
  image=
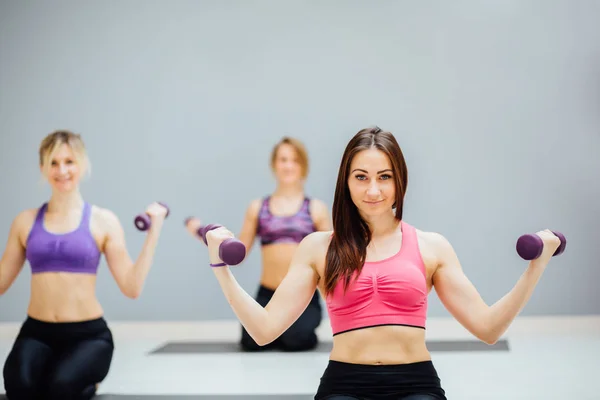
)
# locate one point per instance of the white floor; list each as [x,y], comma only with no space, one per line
[549,358]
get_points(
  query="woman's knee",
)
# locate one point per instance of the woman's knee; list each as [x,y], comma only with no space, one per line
[20,386]
[69,387]
[80,369]
[64,387]
[24,369]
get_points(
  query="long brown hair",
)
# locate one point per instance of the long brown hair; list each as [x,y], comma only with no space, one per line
[348,248]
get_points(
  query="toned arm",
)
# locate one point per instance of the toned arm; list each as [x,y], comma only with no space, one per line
[462,300]
[290,299]
[248,232]
[129,275]
[13,257]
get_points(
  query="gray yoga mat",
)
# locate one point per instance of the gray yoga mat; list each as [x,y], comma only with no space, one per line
[186,347]
[208,397]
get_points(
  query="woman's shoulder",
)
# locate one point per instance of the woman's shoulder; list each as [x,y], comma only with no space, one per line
[27,214]
[434,246]
[431,237]
[104,218]
[317,241]
[434,239]
[316,203]
[25,218]
[102,212]
[23,223]
[313,248]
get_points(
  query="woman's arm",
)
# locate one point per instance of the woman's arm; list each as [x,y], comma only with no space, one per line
[459,296]
[130,276]
[290,299]
[248,231]
[13,258]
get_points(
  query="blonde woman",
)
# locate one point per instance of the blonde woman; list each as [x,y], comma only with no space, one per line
[65,347]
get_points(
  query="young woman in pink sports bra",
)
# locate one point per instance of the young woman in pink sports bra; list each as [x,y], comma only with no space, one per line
[280,221]
[64,347]
[376,271]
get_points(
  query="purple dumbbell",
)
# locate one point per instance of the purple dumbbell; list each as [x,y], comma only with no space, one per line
[231,251]
[143,222]
[530,246]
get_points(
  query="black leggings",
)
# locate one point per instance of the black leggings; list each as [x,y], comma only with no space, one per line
[411,397]
[58,360]
[413,381]
[300,336]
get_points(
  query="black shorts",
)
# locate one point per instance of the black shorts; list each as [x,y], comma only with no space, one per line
[414,381]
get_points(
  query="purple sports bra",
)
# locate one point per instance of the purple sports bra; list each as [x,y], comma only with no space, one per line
[284,229]
[74,251]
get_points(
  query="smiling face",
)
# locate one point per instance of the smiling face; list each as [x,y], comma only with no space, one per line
[62,172]
[289,161]
[371,182]
[63,160]
[370,188]
[286,166]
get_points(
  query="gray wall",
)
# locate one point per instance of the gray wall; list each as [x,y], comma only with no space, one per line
[496,105]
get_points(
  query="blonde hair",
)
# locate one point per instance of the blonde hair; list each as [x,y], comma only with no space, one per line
[300,151]
[54,140]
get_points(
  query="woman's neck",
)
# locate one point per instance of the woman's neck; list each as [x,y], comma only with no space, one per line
[62,203]
[382,225]
[289,190]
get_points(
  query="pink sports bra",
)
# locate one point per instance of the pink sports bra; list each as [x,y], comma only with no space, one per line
[392,291]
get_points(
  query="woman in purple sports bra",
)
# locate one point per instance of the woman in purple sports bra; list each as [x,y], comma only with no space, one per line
[64,348]
[281,220]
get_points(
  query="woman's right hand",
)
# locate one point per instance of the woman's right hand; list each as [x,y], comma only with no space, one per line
[214,238]
[192,225]
[157,213]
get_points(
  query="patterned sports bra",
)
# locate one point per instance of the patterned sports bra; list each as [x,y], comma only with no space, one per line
[284,229]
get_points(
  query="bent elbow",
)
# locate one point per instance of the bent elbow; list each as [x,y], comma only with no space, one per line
[264,337]
[262,343]
[488,337]
[264,340]
[490,340]
[130,288]
[486,331]
[132,293]
[4,287]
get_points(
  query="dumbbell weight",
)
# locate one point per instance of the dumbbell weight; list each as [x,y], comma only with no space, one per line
[142,221]
[530,246]
[231,251]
